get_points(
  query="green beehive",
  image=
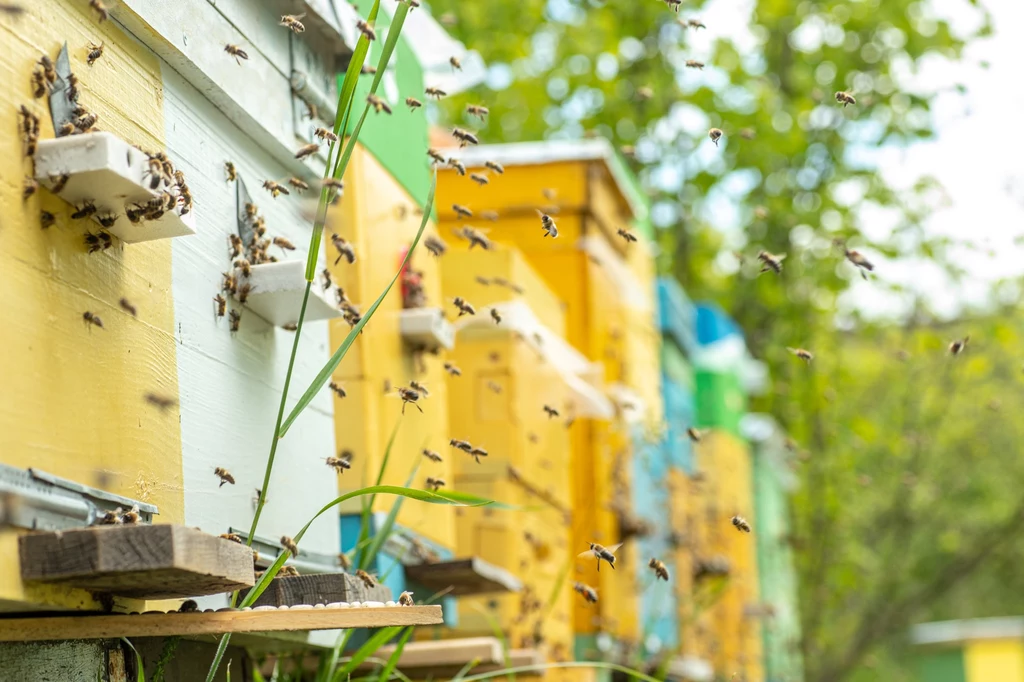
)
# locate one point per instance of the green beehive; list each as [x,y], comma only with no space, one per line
[721,400]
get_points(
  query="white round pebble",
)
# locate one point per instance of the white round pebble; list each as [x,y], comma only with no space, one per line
[373,603]
[283,607]
[302,607]
[264,608]
[354,604]
[246,608]
[318,606]
[335,605]
[390,603]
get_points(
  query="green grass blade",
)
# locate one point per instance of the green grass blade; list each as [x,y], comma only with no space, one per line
[138,660]
[219,655]
[355,67]
[559,583]
[389,667]
[328,370]
[572,664]
[465,670]
[369,647]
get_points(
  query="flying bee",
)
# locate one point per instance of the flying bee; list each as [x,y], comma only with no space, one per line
[694,64]
[741,524]
[46,219]
[275,188]
[235,51]
[28,188]
[462,211]
[695,434]
[244,291]
[495,166]
[463,445]
[479,178]
[674,5]
[230,171]
[477,110]
[338,389]
[464,306]
[405,599]
[298,184]
[464,137]
[489,215]
[307,150]
[290,327]
[236,320]
[292,22]
[801,353]
[435,155]
[456,64]
[344,249]
[496,316]
[459,167]
[283,243]
[367,579]
[436,93]
[644,93]
[477,452]
[771,262]
[378,103]
[660,572]
[588,592]
[162,403]
[233,537]
[290,545]
[494,386]
[548,224]
[100,9]
[39,84]
[435,245]
[431,455]
[127,306]
[367,30]
[340,463]
[367,70]
[695,23]
[858,259]
[417,386]
[845,98]
[344,561]
[715,134]
[551,412]
[93,319]
[327,278]
[626,235]
[409,396]
[601,553]
[452,369]
[224,475]
[957,346]
[95,52]
[413,103]
[434,483]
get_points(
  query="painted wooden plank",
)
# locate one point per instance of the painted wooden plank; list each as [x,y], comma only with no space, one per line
[320,588]
[151,562]
[213,623]
[466,576]
[442,659]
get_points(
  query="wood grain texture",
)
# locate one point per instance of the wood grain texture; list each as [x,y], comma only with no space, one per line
[153,562]
[468,577]
[198,623]
[322,588]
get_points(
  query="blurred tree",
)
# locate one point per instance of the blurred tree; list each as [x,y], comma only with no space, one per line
[906,490]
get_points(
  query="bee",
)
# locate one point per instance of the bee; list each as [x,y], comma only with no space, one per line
[626,235]
[344,561]
[245,266]
[100,9]
[804,355]
[459,167]
[86,122]
[230,171]
[674,4]
[464,306]
[236,52]
[73,92]
[409,396]
[741,524]
[162,403]
[845,98]
[274,188]
[367,579]
[463,445]
[111,518]
[431,455]
[344,249]
[378,103]
[551,412]
[436,93]
[413,103]
[131,517]
[452,369]
[290,545]
[290,327]
[660,572]
[496,316]
[28,188]
[479,179]
[233,537]
[694,64]
[29,124]
[695,434]
[307,150]
[93,319]
[236,320]
[127,306]
[715,134]
[548,224]
[101,241]
[283,243]
[588,592]
[298,184]
[340,463]
[405,599]
[244,291]
[695,23]
[747,133]
[477,110]
[858,259]
[771,262]
[224,475]
[601,553]
[334,183]
[46,219]
[456,64]
[489,215]
[434,483]
[435,155]
[483,280]
[338,390]
[435,245]
[185,198]
[367,70]
[417,386]
[464,137]
[957,346]
[39,84]
[644,93]
[462,211]
[366,29]
[476,453]
[292,22]
[95,52]
[494,386]
[48,71]
[496,167]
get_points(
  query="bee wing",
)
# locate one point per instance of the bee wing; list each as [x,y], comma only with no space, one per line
[613,548]
[791,350]
[781,257]
[589,554]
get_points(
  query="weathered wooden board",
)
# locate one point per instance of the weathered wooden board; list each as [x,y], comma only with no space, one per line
[320,588]
[151,562]
[467,576]
[208,622]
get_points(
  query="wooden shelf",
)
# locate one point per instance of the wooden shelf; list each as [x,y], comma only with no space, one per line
[467,577]
[442,658]
[141,561]
[262,619]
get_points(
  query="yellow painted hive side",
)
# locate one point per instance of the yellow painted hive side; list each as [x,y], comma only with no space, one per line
[994,659]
